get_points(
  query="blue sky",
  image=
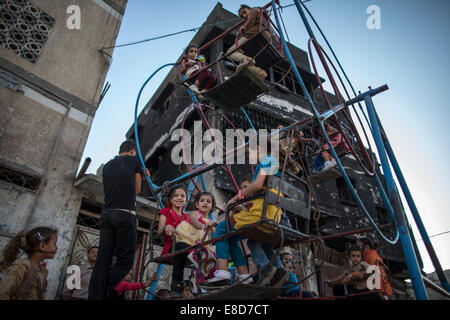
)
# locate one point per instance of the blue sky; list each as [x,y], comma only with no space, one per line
[409,53]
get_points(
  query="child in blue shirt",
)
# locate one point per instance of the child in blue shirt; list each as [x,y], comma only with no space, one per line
[293,291]
[271,269]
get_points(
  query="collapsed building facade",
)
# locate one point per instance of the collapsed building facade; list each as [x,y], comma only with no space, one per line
[333,209]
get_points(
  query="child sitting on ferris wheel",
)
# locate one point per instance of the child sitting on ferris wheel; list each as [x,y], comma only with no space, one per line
[269,264]
[288,145]
[193,64]
[229,248]
[252,21]
[202,219]
[324,159]
[354,280]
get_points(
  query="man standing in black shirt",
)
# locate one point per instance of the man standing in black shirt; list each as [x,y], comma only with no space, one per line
[118,223]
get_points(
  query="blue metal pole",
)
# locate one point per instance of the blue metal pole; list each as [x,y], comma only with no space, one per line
[248,118]
[152,186]
[155,283]
[405,238]
[414,211]
[305,21]
[203,181]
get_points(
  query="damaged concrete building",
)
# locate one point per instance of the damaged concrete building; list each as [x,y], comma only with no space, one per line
[51,77]
[333,209]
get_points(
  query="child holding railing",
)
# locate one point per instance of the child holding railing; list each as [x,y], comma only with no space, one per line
[226,248]
[170,218]
[269,264]
[192,63]
[354,279]
[201,220]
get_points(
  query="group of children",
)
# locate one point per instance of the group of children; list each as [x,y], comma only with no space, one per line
[193,64]
[263,255]
[271,269]
[353,282]
[323,159]
[25,279]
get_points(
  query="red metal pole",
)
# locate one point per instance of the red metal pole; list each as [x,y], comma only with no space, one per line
[338,235]
[136,276]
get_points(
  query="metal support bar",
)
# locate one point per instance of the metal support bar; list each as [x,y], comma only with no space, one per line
[84,168]
[136,134]
[430,284]
[192,174]
[248,118]
[414,211]
[340,235]
[203,182]
[327,114]
[155,283]
[371,92]
[405,238]
[190,190]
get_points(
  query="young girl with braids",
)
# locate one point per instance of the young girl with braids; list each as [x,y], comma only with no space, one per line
[201,219]
[26,279]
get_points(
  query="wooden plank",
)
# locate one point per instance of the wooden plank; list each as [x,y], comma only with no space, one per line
[239,90]
[168,260]
[292,205]
[271,233]
[265,231]
[266,55]
[287,189]
[243,292]
[326,175]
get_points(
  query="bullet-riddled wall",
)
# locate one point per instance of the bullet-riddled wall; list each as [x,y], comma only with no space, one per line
[51,77]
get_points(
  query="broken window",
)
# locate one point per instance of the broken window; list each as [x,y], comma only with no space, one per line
[260,119]
[344,191]
[19,177]
[382,215]
[89,221]
[162,103]
[288,80]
